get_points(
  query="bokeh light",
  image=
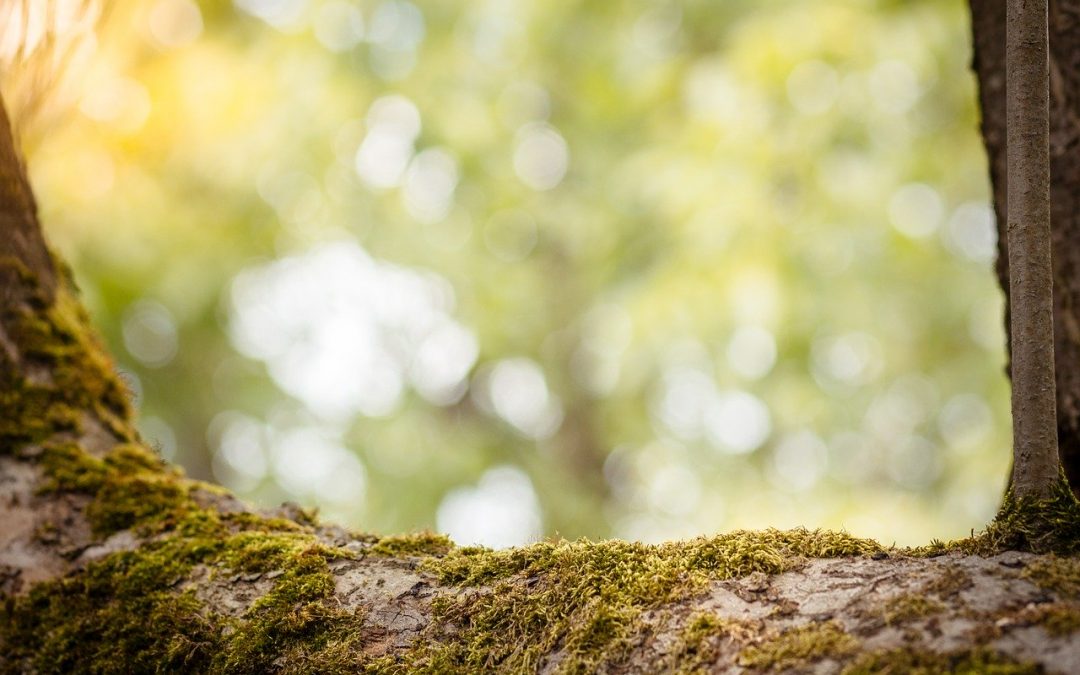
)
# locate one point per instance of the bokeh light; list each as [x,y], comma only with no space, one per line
[511,270]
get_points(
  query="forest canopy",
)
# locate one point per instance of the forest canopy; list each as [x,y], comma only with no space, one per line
[604,269]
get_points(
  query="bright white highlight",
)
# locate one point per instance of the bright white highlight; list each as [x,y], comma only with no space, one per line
[308,463]
[799,461]
[280,14]
[894,86]
[347,334]
[972,232]
[501,511]
[812,87]
[737,422]
[150,334]
[516,391]
[339,26]
[751,352]
[541,156]
[916,210]
[692,407]
[851,359]
[393,124]
[429,185]
[175,23]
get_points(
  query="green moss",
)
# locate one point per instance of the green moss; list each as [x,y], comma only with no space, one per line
[119,615]
[697,643]
[127,501]
[54,338]
[99,616]
[1055,573]
[799,647]
[699,647]
[296,622]
[130,486]
[129,458]
[586,599]
[949,582]
[921,662]
[68,467]
[909,607]
[1058,618]
[416,545]
[253,551]
[1050,525]
[127,613]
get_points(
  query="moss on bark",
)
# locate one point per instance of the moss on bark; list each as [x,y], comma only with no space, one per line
[585,599]
[923,662]
[799,646]
[62,373]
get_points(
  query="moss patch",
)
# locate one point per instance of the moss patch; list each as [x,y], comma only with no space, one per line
[1058,618]
[414,545]
[296,623]
[949,583]
[909,607]
[1050,525]
[64,371]
[128,612]
[1055,573]
[120,613]
[799,647]
[700,645]
[579,599]
[130,486]
[584,600]
[921,662]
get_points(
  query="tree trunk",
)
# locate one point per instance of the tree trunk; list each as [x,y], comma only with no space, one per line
[989,26]
[112,561]
[1035,453]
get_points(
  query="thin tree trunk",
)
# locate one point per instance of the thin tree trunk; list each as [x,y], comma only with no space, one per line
[1035,454]
[989,27]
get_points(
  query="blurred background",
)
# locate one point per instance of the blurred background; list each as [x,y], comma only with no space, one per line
[516,268]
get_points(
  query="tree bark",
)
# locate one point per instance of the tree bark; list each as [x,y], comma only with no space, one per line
[22,238]
[1035,454]
[112,561]
[989,28]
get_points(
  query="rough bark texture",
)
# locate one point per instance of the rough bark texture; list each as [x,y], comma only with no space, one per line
[989,24]
[112,561]
[1035,454]
[22,238]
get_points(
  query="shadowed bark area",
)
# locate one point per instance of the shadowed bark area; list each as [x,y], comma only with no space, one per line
[22,239]
[988,22]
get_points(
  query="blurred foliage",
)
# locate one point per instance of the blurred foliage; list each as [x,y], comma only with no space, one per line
[702,265]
